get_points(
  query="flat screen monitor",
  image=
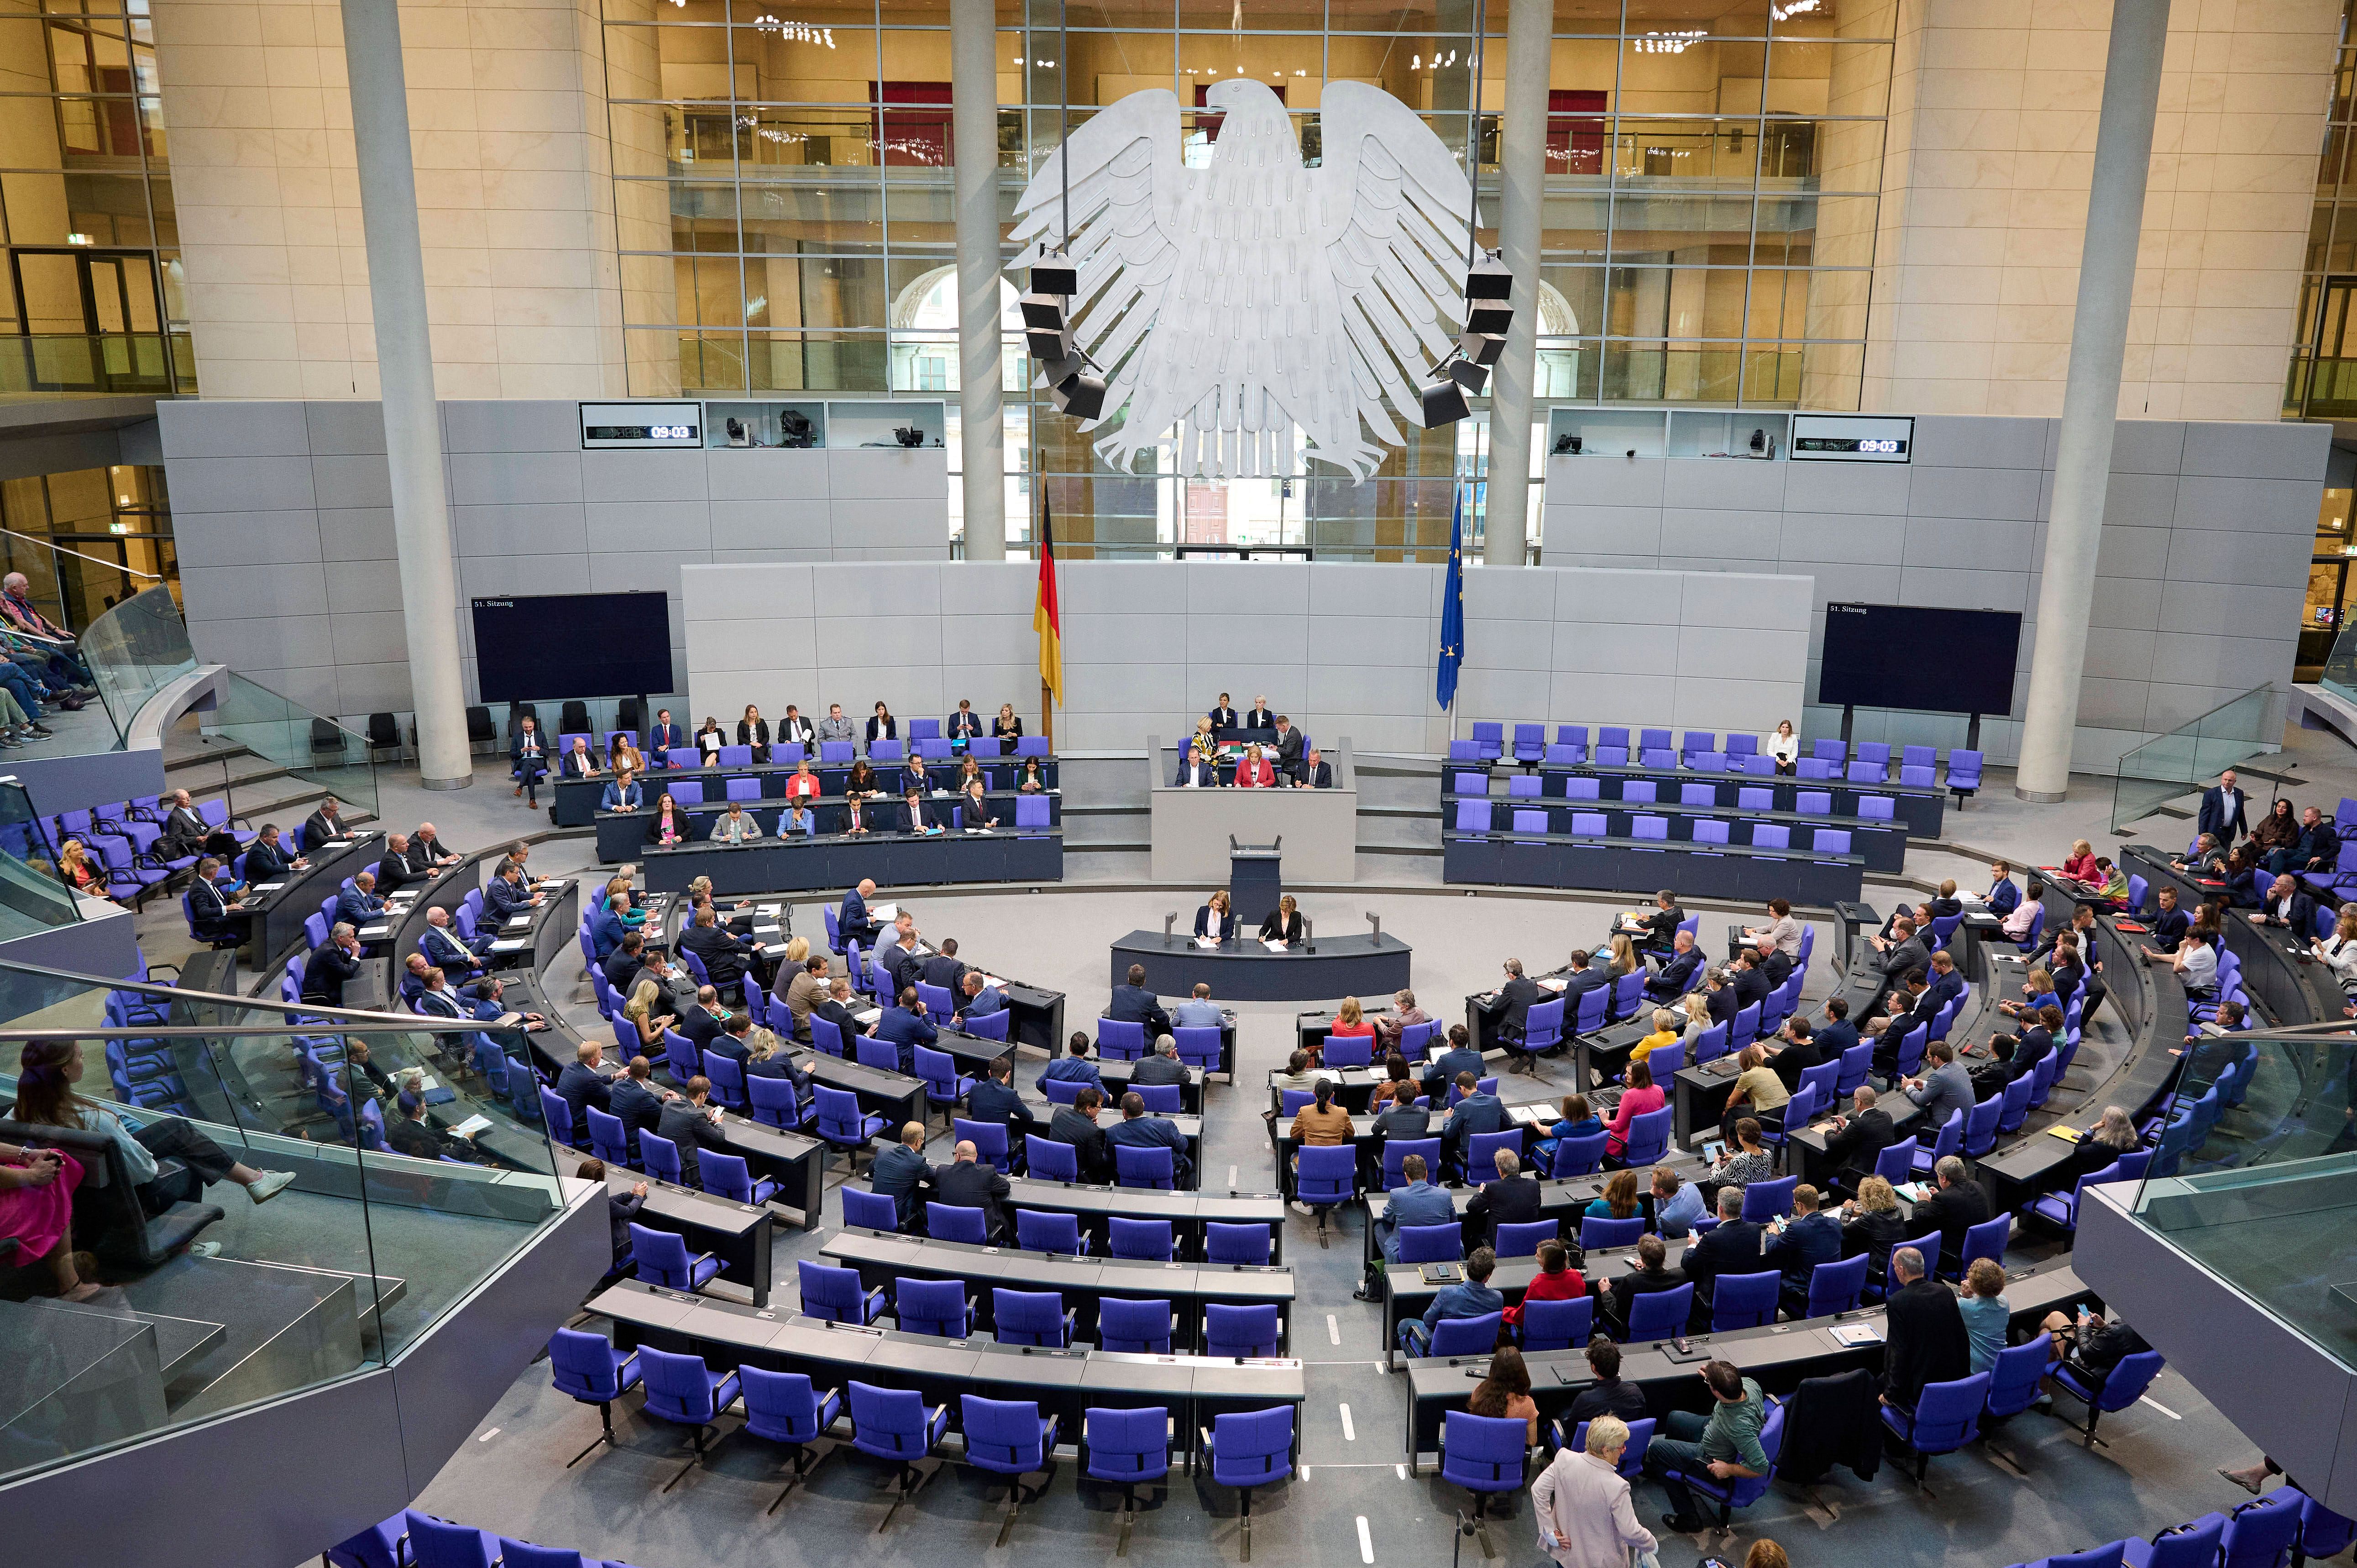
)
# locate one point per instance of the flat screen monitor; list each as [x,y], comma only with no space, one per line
[1919,657]
[572,645]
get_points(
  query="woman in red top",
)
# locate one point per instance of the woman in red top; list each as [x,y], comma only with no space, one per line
[2081,866]
[1556,1281]
[803,782]
[1253,772]
[1638,1098]
[1350,1020]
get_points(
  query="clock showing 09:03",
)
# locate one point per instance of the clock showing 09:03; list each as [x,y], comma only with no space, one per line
[1851,438]
[605,425]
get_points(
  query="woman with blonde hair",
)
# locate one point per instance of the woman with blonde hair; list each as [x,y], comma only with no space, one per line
[1350,1020]
[1624,955]
[639,1011]
[1872,1224]
[797,953]
[75,868]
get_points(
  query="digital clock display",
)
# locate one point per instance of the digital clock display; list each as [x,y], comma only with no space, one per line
[606,424]
[640,432]
[1846,444]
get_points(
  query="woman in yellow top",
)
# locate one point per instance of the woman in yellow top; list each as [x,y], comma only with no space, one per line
[1321,1122]
[1757,1091]
[1665,1033]
[1624,956]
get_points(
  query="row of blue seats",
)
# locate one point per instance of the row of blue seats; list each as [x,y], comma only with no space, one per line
[1869,762]
[121,841]
[414,1539]
[1474,817]
[786,754]
[1128,1447]
[2285,1526]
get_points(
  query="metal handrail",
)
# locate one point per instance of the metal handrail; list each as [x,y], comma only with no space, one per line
[256,1004]
[397,1023]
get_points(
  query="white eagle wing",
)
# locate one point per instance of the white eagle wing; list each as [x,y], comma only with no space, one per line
[1393,204]
[1128,178]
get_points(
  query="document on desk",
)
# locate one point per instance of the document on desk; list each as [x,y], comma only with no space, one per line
[517,922]
[1854,1336]
[1552,984]
[869,1017]
[375,932]
[1207,941]
[1272,945]
[268,887]
[470,1126]
[512,944]
[884,914]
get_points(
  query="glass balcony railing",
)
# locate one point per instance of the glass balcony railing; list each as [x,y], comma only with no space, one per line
[98,362]
[366,1249]
[134,650]
[2255,1177]
[2171,765]
[33,896]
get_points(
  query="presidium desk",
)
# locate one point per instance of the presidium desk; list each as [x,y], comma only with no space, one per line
[1244,969]
[1191,827]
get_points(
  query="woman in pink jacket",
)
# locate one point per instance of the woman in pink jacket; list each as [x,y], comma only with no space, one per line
[1639,1096]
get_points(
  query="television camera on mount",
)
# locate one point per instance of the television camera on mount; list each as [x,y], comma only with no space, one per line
[794,429]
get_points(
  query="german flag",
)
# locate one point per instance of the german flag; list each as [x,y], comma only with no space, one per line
[1045,618]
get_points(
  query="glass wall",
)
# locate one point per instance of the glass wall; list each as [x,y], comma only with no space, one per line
[88,539]
[92,301]
[784,206]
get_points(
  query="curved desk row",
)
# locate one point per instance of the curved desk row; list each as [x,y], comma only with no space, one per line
[1921,808]
[1064,1382]
[1879,842]
[894,860]
[274,913]
[2277,966]
[573,801]
[1244,969]
[1778,1355]
[1644,865]
[625,836]
[882,1257]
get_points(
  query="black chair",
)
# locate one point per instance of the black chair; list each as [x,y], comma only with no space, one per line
[327,740]
[575,717]
[630,715]
[517,713]
[108,1217]
[384,734]
[480,733]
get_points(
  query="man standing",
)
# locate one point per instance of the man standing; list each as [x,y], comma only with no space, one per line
[1137,1129]
[852,921]
[1288,749]
[2224,811]
[1927,1342]
[1134,1004]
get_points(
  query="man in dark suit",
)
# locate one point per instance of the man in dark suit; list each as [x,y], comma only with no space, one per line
[1161,1065]
[332,964]
[1316,773]
[622,965]
[637,1101]
[527,763]
[506,897]
[665,735]
[1733,1247]
[1134,1004]
[995,1100]
[427,848]
[325,825]
[1077,1124]
[185,832]
[399,869]
[1476,1112]
[962,724]
[691,1123]
[2223,812]
[795,730]
[583,1084]
[853,920]
[1651,1275]
[268,859]
[1512,1199]
[1923,1333]
[1749,978]
[901,1172]
[1806,1240]
[943,969]
[1839,1034]
[725,955]
[1718,997]
[1224,716]
[2285,905]
[966,1182]
[1288,749]
[210,907]
[837,1010]
[917,815]
[1945,983]
[1137,1129]
[701,1023]
[1458,1058]
[441,946]
[1675,977]
[2003,897]
[1511,1002]
[1901,951]
[1959,1205]
[905,1024]
[1861,1135]
[1197,772]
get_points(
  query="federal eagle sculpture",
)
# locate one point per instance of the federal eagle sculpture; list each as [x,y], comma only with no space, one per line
[1255,294]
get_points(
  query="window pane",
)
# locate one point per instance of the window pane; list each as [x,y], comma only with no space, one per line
[1830,374]
[1715,18]
[1701,227]
[1721,152]
[1812,78]
[819,361]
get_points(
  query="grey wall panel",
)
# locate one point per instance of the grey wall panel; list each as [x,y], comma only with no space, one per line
[257,482]
[241,539]
[352,534]
[198,427]
[2204,525]
[1746,486]
[341,480]
[354,586]
[643,476]
[510,425]
[742,475]
[344,428]
[494,479]
[520,528]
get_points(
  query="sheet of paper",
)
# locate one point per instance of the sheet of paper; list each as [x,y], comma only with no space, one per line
[517,923]
[512,944]
[268,887]
[470,1126]
[1273,946]
[868,1017]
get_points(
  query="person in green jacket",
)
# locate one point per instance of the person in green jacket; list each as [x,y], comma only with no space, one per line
[1727,1443]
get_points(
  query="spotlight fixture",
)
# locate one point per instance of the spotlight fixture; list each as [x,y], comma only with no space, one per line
[1073,385]
[1489,288]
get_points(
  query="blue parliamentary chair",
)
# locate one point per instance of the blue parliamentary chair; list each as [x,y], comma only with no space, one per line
[1127,1448]
[685,1391]
[893,1424]
[590,1369]
[1946,1416]
[834,1294]
[1487,1455]
[1247,1449]
[784,1408]
[659,1258]
[1009,1438]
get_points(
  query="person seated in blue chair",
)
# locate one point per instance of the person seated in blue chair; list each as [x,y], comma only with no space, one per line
[527,764]
[1458,1058]
[1677,1204]
[981,999]
[440,944]
[1796,1246]
[1470,1298]
[622,794]
[916,815]
[1074,1067]
[358,904]
[210,906]
[994,1098]
[1477,1112]
[1579,1121]
[901,1171]
[1137,1129]
[797,818]
[1675,977]
[1417,1203]
[905,1024]
[1727,1443]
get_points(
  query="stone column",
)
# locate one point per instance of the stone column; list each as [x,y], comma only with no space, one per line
[405,355]
[974,91]
[2090,398]
[1522,158]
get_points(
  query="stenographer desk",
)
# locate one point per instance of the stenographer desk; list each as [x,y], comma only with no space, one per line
[1244,969]
[1085,1283]
[575,802]
[1777,1355]
[896,860]
[1063,1383]
[1502,858]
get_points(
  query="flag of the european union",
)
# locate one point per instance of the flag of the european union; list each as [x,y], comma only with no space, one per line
[1452,611]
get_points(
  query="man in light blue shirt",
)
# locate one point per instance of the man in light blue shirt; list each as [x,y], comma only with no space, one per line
[1945,1088]
[1198,1012]
[1677,1204]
